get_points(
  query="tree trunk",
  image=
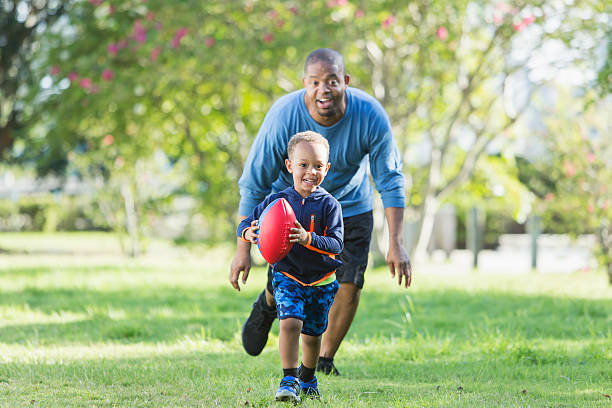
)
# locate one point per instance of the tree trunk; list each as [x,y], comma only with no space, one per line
[610,273]
[131,219]
[429,210]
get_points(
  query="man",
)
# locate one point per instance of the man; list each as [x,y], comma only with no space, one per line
[359,133]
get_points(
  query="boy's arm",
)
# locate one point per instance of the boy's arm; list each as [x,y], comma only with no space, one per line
[333,241]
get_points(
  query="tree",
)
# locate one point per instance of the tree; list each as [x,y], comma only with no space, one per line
[193,80]
[21,22]
[572,181]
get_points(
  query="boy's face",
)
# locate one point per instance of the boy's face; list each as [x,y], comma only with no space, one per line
[308,164]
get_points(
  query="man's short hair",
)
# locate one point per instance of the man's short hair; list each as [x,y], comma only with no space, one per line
[308,137]
[328,56]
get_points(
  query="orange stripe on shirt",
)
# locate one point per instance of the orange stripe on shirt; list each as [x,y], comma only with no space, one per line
[318,250]
[308,284]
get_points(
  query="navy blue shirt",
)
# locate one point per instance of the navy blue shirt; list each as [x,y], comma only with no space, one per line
[361,139]
[320,214]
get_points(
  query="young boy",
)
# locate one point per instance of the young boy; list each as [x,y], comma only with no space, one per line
[304,281]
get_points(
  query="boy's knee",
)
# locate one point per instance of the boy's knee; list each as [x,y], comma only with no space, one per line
[291,324]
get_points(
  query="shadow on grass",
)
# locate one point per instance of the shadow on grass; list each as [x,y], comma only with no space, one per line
[162,313]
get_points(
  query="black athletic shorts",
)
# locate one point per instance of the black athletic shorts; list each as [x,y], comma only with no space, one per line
[354,256]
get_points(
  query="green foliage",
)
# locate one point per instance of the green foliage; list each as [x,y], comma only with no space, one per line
[126,80]
[50,213]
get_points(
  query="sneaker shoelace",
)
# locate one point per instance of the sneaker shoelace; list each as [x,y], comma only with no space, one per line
[287,383]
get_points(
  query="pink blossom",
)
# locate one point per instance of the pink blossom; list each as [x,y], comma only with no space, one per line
[154,53]
[176,41]
[139,32]
[442,33]
[108,140]
[293,10]
[108,74]
[590,208]
[121,44]
[359,13]
[497,19]
[388,21]
[95,2]
[158,26]
[341,2]
[85,83]
[55,70]
[94,89]
[330,3]
[119,162]
[268,38]
[273,13]
[549,197]
[73,76]
[209,42]
[280,23]
[569,168]
[113,49]
[605,205]
[524,23]
[111,10]
[150,16]
[590,157]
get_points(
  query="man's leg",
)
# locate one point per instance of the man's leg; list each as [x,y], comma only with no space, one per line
[340,318]
[257,326]
[357,235]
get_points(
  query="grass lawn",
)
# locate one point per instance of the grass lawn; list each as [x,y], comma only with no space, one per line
[80,325]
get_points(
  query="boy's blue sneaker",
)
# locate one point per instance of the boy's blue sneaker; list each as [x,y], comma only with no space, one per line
[289,390]
[309,388]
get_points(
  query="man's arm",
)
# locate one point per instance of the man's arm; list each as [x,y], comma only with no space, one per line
[241,262]
[397,257]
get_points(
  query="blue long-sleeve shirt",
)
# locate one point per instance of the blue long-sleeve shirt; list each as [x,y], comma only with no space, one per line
[321,216]
[361,137]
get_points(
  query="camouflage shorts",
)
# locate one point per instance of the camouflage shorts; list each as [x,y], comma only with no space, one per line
[310,304]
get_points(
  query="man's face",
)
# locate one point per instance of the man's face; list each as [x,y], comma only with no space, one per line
[325,85]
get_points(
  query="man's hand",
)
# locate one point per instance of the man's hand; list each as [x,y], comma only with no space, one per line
[298,234]
[397,257]
[240,263]
[398,261]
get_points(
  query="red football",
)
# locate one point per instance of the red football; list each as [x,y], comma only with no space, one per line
[274,229]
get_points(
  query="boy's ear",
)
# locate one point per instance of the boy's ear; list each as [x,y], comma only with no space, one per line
[288,165]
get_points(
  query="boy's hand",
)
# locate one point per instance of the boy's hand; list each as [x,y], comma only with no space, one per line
[298,234]
[251,234]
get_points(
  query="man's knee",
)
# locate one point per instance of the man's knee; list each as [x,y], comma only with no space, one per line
[348,294]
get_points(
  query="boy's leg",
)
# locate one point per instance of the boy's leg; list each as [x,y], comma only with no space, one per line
[288,295]
[310,354]
[289,342]
[316,310]
[310,350]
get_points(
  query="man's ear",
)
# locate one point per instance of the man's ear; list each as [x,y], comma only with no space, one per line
[347,79]
[288,165]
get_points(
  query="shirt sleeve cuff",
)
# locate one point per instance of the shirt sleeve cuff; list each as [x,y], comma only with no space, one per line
[394,198]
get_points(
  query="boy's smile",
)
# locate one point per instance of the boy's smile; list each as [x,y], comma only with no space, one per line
[308,164]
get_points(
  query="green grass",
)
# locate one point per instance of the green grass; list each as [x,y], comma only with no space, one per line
[80,325]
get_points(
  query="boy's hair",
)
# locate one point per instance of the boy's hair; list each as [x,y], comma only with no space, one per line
[308,137]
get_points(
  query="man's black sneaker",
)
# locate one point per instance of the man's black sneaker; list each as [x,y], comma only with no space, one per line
[327,367]
[256,328]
